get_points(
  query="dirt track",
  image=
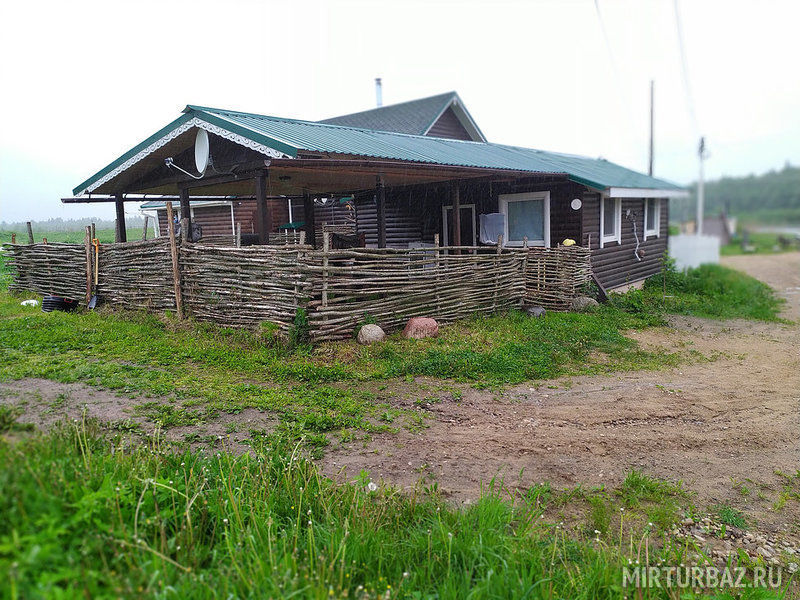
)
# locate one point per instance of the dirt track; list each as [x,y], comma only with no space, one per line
[709,423]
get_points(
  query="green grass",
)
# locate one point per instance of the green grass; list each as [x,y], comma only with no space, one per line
[762,243]
[87,517]
[106,236]
[710,291]
[200,369]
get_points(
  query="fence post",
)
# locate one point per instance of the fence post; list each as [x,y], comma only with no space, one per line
[326,247]
[13,238]
[498,251]
[173,250]
[87,242]
[302,238]
[438,273]
[30,233]
[524,268]
[144,228]
[238,239]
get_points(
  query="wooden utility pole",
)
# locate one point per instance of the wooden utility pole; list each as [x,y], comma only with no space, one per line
[650,163]
[701,153]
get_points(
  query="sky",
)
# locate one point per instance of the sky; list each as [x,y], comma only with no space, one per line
[83,82]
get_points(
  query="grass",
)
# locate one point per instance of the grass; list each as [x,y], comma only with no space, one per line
[84,516]
[709,291]
[762,243]
[201,370]
[106,236]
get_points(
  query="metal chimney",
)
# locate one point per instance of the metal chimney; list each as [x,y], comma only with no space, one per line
[378,92]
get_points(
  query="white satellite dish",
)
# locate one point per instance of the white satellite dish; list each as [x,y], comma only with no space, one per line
[576,203]
[201,151]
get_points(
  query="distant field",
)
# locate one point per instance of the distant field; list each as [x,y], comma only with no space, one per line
[105,236]
[760,242]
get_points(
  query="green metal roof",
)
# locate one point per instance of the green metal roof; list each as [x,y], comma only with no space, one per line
[290,136]
[414,117]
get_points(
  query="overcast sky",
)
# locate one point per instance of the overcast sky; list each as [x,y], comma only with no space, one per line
[83,82]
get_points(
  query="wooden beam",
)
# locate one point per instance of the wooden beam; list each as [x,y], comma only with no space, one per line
[380,206]
[263,213]
[173,251]
[308,211]
[456,198]
[121,233]
[186,216]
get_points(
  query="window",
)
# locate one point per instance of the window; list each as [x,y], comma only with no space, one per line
[652,217]
[610,220]
[527,216]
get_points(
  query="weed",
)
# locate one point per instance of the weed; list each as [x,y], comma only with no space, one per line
[8,419]
[731,516]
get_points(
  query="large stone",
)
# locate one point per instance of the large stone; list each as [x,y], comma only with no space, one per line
[421,327]
[369,334]
[534,311]
[583,304]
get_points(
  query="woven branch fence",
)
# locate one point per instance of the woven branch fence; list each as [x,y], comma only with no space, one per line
[242,287]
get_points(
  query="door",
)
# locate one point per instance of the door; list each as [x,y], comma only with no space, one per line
[468,230]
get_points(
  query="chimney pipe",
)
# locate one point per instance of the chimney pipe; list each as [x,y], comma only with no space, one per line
[378,92]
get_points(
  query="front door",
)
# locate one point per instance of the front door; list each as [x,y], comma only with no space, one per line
[468,230]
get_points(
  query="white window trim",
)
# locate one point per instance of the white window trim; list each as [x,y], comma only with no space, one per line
[617,235]
[657,231]
[503,201]
[445,224]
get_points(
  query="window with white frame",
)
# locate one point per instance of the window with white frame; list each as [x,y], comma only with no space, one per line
[652,217]
[610,220]
[527,216]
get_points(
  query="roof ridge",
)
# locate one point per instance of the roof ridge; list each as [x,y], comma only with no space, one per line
[320,124]
[451,95]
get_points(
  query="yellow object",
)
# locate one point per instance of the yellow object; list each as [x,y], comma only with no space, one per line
[568,242]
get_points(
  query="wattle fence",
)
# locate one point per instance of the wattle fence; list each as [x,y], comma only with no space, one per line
[338,289]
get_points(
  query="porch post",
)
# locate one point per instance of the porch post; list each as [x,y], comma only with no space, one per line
[380,205]
[456,198]
[120,232]
[186,215]
[308,215]
[262,210]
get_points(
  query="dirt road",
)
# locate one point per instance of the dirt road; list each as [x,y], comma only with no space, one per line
[713,423]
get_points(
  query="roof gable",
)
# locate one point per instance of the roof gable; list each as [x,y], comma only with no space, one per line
[415,117]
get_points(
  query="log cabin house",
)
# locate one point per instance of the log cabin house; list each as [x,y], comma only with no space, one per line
[394,176]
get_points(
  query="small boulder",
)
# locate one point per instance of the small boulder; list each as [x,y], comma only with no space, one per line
[421,327]
[369,334]
[534,311]
[583,304]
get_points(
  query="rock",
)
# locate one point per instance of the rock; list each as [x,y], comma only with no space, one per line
[534,311]
[687,521]
[421,327]
[369,334]
[583,304]
[764,552]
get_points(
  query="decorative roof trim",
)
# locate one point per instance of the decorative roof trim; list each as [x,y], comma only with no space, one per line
[171,135]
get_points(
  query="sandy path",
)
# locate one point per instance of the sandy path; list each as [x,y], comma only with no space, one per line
[710,424]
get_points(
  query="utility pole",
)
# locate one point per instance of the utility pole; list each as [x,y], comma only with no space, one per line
[650,163]
[701,153]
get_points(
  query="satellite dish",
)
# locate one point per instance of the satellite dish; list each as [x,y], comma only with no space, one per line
[201,151]
[575,204]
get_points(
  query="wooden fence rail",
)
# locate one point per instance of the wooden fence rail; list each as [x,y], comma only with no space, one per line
[244,286]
